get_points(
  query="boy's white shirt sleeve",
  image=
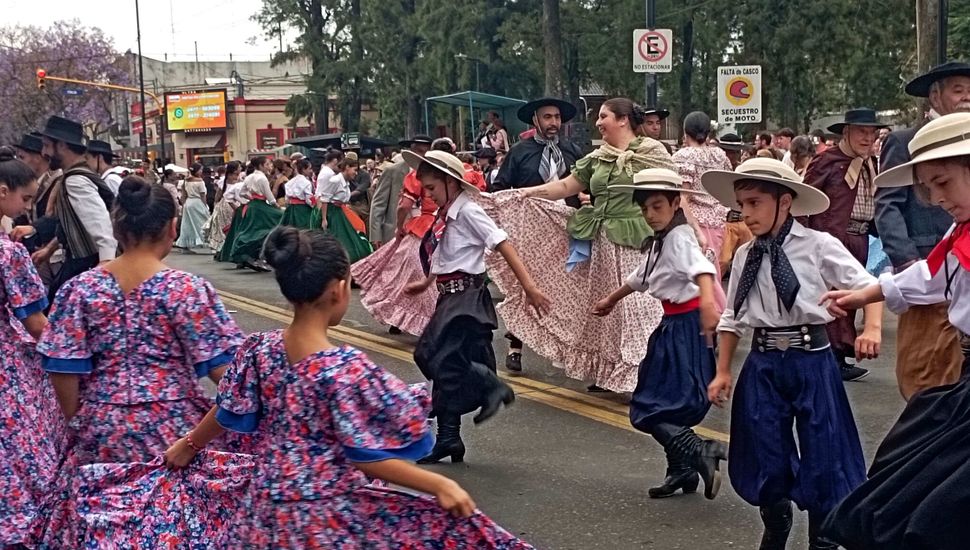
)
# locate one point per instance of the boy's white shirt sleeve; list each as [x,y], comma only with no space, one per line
[483,227]
[728,322]
[636,279]
[839,267]
[914,286]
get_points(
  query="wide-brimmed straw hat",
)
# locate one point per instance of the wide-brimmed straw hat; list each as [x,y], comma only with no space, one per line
[920,86]
[444,162]
[857,117]
[567,111]
[945,137]
[808,200]
[657,179]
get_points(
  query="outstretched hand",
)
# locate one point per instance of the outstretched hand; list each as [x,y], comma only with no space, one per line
[841,301]
[539,301]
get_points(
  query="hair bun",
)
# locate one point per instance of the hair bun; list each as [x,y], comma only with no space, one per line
[134,195]
[7,154]
[638,114]
[286,248]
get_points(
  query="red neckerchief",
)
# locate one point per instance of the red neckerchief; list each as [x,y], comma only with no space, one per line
[958,242]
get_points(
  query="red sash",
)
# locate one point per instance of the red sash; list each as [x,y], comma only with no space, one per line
[671,308]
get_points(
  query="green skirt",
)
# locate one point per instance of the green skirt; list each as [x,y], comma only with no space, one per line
[299,216]
[258,220]
[354,242]
[234,226]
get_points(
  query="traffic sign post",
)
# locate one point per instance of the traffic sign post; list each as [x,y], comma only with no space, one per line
[739,94]
[652,51]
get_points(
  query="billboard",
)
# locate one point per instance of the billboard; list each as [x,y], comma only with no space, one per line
[195,110]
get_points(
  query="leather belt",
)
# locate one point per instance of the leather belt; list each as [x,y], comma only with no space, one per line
[449,284]
[802,337]
[734,216]
[858,227]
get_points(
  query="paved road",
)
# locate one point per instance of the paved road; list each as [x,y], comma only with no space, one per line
[562,468]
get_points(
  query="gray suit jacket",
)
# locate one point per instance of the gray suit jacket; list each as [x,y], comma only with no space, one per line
[383,206]
[909,228]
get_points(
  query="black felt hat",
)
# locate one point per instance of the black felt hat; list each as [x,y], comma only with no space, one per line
[920,86]
[730,142]
[31,143]
[659,111]
[857,117]
[567,111]
[63,129]
[485,153]
[101,148]
[420,138]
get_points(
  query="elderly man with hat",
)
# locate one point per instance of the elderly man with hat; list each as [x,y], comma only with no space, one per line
[928,347]
[543,158]
[101,160]
[845,174]
[80,203]
[384,201]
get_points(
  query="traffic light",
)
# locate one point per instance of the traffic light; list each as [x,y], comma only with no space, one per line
[41,75]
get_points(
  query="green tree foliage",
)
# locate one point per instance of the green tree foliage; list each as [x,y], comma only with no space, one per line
[818,56]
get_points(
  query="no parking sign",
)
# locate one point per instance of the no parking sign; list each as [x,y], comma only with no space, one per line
[652,50]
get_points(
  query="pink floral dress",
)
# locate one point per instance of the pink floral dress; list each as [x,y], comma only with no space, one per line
[138,356]
[314,418]
[31,426]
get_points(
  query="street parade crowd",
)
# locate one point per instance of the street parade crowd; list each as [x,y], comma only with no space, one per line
[611,265]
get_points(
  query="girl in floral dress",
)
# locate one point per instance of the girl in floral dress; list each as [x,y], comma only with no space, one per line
[126,344]
[328,419]
[30,430]
[383,275]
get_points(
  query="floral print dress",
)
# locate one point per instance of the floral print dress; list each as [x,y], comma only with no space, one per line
[314,418]
[138,356]
[31,428]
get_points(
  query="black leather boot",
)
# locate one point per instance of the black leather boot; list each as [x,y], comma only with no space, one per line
[495,393]
[777,519]
[704,455]
[815,540]
[680,476]
[449,441]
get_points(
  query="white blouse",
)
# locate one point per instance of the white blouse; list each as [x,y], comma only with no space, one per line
[299,188]
[335,190]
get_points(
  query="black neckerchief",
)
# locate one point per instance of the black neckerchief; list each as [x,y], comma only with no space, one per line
[782,274]
[655,242]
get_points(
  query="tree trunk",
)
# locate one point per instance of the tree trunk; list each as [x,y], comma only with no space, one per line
[321,103]
[687,68]
[552,46]
[354,100]
[927,35]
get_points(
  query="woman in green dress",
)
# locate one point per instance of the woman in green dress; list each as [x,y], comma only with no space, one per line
[578,254]
[260,216]
[299,197]
[340,220]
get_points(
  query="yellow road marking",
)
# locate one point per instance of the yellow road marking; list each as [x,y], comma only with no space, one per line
[600,410]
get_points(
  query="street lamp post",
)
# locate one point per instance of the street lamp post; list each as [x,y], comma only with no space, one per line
[650,83]
[941,32]
[478,81]
[141,82]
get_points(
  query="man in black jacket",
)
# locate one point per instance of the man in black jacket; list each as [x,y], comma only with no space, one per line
[544,157]
[928,348]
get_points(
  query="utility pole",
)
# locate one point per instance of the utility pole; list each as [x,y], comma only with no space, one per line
[650,79]
[942,22]
[141,86]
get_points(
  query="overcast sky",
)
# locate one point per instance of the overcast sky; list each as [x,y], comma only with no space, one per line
[221,27]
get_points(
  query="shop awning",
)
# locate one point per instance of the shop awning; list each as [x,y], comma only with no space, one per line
[201,141]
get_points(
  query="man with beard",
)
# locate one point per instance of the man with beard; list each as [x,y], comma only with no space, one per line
[543,158]
[79,202]
[928,347]
[845,174]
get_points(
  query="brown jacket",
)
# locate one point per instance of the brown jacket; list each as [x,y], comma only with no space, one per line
[826,172]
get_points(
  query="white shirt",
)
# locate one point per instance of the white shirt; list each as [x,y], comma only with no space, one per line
[299,188]
[257,184]
[915,286]
[335,190]
[469,231]
[112,178]
[94,217]
[821,263]
[323,179]
[234,193]
[195,190]
[673,274]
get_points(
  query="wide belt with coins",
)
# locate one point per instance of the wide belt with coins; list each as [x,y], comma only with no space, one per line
[965,344]
[802,337]
[455,283]
[734,216]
